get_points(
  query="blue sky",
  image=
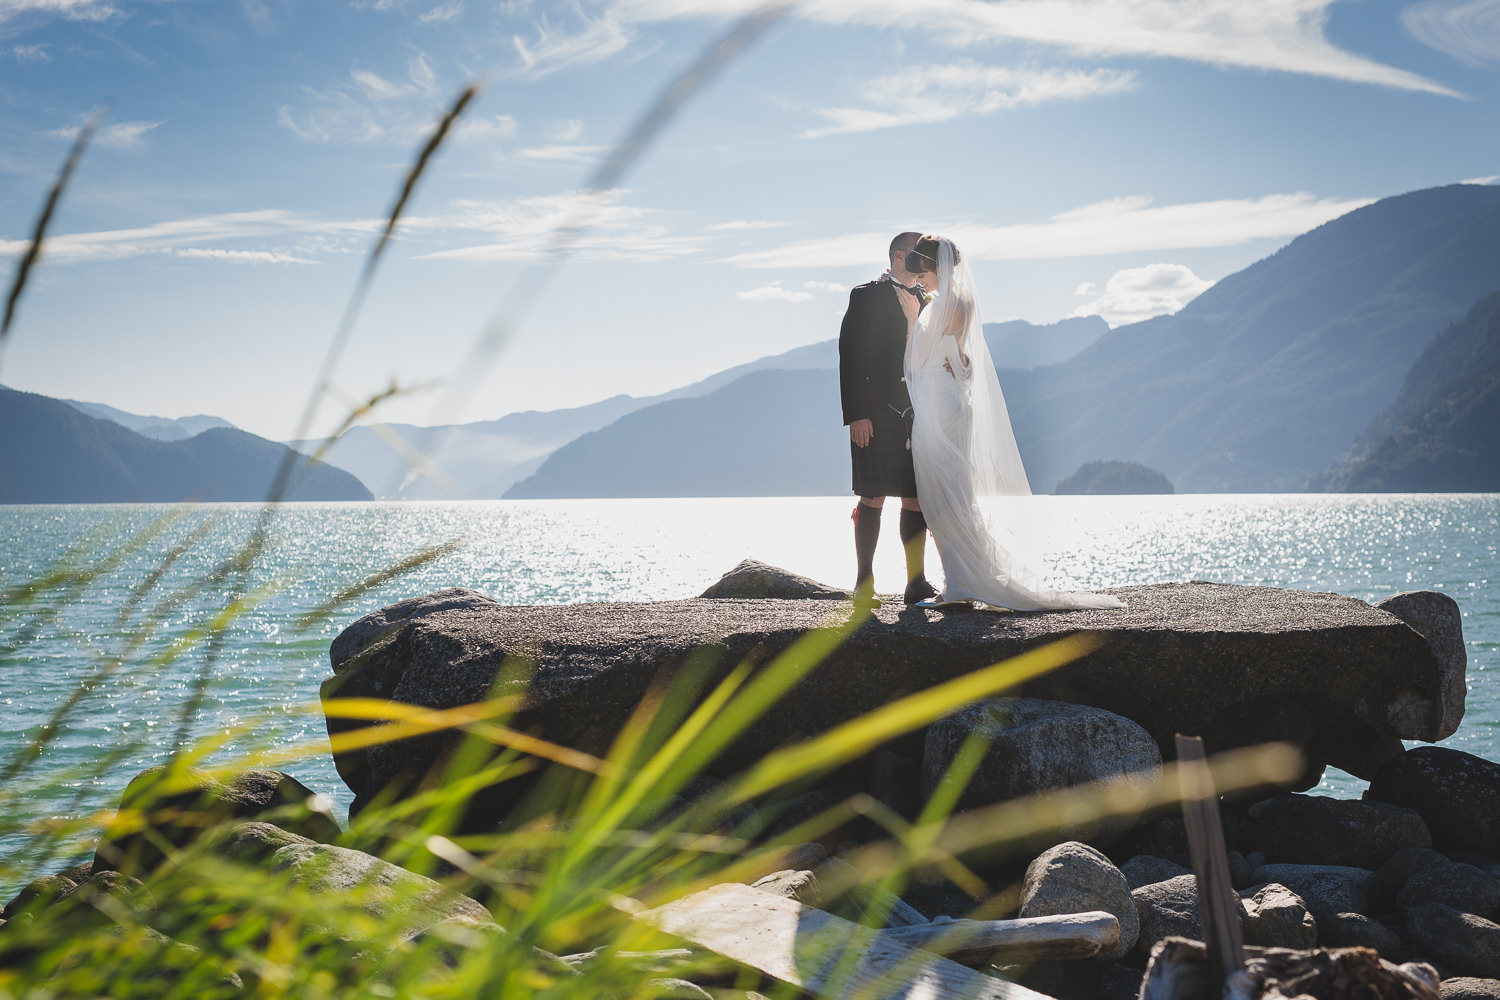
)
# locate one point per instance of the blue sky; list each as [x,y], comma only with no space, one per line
[1113,157]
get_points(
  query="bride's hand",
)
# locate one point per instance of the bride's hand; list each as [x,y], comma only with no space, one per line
[909,304]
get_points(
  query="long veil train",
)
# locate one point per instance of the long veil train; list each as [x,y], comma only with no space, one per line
[964,450]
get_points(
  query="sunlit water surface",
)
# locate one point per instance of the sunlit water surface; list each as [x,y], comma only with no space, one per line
[262,688]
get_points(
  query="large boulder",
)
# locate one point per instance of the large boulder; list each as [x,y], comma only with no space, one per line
[386,891]
[755,579]
[1457,793]
[1035,745]
[1276,917]
[163,808]
[1460,886]
[1465,942]
[1075,878]
[1170,909]
[1345,681]
[1328,890]
[1143,869]
[1437,617]
[1469,988]
[1316,829]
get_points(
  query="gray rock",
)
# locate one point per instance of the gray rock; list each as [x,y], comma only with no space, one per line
[1075,878]
[180,808]
[1143,869]
[1318,830]
[1468,988]
[1355,930]
[1457,793]
[1245,663]
[801,886]
[1328,890]
[1391,876]
[1462,887]
[43,892]
[1436,617]
[388,892]
[1036,745]
[1169,909]
[1241,872]
[1467,943]
[1276,917]
[753,579]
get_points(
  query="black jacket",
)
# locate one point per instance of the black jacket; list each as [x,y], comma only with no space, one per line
[872,350]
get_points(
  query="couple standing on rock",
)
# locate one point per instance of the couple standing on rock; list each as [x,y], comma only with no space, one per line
[927,423]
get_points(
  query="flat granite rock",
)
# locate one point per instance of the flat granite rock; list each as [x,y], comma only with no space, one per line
[1238,665]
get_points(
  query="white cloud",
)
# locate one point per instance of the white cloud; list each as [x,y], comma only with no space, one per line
[372,107]
[442,12]
[598,38]
[1138,293]
[121,135]
[603,227]
[940,92]
[567,130]
[243,256]
[1282,35]
[742,224]
[1469,31]
[30,53]
[773,293]
[575,155]
[1121,225]
[1492,178]
[176,235]
[72,10]
[826,286]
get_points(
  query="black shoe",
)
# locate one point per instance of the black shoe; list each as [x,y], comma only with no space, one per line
[918,590]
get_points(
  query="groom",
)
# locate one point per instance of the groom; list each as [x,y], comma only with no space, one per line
[877,410]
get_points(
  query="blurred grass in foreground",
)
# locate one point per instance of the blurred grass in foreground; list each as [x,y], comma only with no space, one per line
[591,841]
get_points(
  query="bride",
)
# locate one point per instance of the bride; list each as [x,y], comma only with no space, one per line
[962,445]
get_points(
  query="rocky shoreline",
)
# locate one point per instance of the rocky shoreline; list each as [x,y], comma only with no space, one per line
[1410,872]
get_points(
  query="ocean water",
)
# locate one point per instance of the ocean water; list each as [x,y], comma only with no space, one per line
[260,689]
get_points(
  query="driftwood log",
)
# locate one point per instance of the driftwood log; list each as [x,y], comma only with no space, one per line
[1179,970]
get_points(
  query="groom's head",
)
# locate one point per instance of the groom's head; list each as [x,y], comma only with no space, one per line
[900,246]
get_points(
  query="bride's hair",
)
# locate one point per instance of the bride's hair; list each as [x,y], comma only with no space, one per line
[924,256]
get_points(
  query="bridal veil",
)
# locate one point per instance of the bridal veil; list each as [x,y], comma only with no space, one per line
[964,451]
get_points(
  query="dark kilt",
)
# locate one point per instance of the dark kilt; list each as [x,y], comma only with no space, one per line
[883,468]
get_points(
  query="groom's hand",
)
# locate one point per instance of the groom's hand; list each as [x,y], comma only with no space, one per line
[861,431]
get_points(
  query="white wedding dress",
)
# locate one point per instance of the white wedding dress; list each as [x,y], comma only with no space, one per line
[963,449]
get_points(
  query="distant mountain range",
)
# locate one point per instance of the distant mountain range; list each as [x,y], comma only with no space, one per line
[1320,365]
[53,452]
[1443,431]
[1114,478]
[1259,384]
[157,428]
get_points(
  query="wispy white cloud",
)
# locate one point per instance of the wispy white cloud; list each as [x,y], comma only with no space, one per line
[121,135]
[572,155]
[175,236]
[773,293]
[935,93]
[1138,293]
[373,107]
[1469,30]
[72,10]
[744,224]
[1492,178]
[1281,35]
[567,130]
[242,256]
[30,53]
[551,49]
[826,286]
[1121,225]
[442,13]
[606,228]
